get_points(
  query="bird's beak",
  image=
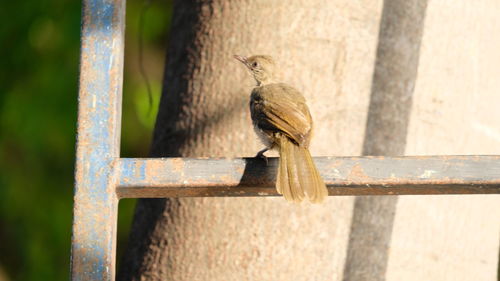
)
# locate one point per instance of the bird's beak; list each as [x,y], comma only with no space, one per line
[241,59]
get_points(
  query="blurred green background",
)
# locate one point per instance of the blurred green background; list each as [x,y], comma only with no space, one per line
[40,41]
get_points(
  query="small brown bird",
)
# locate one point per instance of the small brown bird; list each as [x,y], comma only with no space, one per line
[282,121]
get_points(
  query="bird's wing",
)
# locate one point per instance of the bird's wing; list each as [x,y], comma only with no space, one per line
[281,108]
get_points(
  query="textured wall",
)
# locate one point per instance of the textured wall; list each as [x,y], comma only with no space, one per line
[455,111]
[327,49]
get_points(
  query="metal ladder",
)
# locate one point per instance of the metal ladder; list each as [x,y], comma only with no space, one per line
[102,177]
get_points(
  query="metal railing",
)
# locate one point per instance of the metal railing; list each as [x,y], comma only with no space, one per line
[102,177]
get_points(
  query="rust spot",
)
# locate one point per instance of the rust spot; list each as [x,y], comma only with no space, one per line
[240,170]
[336,164]
[358,174]
[177,165]
[154,170]
[226,179]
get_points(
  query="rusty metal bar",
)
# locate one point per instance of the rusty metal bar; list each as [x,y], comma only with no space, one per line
[178,177]
[99,115]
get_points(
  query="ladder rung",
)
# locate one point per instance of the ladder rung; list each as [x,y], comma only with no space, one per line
[189,177]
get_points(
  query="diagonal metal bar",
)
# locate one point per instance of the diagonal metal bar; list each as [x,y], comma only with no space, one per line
[99,115]
[178,177]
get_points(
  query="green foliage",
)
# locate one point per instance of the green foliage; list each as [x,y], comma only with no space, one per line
[38,109]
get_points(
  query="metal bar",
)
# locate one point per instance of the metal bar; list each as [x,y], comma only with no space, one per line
[99,115]
[179,177]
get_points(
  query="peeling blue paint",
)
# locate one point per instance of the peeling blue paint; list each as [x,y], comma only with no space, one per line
[101,74]
[132,169]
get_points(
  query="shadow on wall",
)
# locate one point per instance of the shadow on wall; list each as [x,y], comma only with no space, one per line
[395,73]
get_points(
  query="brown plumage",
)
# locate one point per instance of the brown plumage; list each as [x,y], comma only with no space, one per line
[282,120]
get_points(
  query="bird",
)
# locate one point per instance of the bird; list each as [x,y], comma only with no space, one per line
[282,121]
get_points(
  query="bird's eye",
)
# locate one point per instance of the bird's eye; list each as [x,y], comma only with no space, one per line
[255,64]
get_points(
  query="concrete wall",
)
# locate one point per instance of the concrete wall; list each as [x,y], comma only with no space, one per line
[455,111]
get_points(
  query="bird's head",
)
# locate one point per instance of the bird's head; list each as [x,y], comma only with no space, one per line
[262,67]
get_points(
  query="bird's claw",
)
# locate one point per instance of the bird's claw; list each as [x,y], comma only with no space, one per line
[261,155]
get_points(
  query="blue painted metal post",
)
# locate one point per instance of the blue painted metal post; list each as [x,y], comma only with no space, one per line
[99,118]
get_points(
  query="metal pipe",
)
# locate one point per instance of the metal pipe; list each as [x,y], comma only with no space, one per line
[179,177]
[99,115]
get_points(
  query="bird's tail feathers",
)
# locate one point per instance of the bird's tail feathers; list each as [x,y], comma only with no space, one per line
[297,176]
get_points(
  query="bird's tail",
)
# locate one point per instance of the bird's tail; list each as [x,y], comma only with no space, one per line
[297,176]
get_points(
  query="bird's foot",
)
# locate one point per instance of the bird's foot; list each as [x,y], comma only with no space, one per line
[261,155]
